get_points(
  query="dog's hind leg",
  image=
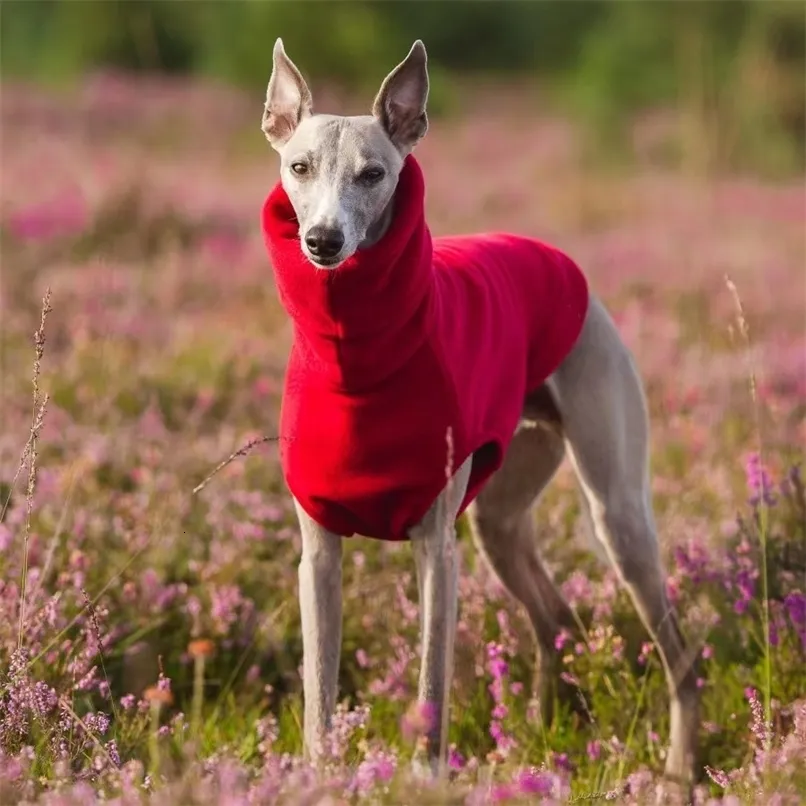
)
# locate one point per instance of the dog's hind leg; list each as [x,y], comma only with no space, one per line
[503,528]
[433,541]
[603,409]
[320,599]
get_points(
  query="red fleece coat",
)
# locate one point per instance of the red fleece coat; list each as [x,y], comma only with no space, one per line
[403,343]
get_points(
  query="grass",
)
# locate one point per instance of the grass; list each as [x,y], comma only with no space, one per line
[150,642]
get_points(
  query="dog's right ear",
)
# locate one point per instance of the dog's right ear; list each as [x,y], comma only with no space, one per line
[288,99]
[400,104]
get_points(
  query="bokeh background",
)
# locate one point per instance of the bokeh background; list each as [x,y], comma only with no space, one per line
[733,71]
[661,144]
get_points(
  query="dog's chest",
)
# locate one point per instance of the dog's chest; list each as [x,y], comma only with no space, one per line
[374,456]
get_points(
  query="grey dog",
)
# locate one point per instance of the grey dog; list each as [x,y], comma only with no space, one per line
[592,408]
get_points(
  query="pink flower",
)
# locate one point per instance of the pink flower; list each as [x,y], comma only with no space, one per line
[56,219]
[264,386]
[419,720]
[534,783]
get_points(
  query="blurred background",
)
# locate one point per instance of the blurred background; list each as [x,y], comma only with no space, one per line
[733,72]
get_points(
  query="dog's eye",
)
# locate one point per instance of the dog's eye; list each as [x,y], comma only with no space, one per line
[299,168]
[371,175]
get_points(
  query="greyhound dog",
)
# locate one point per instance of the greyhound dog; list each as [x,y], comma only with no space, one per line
[591,408]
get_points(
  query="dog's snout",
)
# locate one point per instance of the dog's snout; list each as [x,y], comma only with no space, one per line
[324,242]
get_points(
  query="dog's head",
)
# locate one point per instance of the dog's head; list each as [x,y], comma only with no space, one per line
[340,173]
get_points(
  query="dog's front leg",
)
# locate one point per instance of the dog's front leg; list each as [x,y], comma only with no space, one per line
[320,610]
[434,544]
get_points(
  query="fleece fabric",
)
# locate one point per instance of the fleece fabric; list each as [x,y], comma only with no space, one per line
[409,357]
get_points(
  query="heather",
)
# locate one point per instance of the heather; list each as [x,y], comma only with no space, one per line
[150,644]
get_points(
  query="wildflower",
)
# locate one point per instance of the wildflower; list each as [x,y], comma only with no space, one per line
[158,696]
[796,606]
[761,730]
[377,767]
[531,782]
[498,794]
[561,638]
[62,217]
[43,698]
[498,669]
[201,648]
[646,651]
[97,723]
[419,720]
[456,760]
[718,777]
[267,730]
[570,679]
[758,481]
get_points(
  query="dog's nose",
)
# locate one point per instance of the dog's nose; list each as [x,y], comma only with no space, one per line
[324,242]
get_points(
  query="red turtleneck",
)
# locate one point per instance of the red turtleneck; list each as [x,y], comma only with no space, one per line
[404,342]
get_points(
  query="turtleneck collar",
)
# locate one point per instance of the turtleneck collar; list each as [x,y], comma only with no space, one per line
[357,324]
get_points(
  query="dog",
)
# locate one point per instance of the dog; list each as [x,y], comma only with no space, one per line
[380,433]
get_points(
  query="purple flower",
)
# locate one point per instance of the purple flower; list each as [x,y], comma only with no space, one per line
[58,218]
[758,481]
[646,651]
[500,793]
[718,777]
[758,724]
[530,782]
[375,768]
[796,606]
[44,699]
[456,760]
[560,640]
[97,723]
[419,720]
[114,754]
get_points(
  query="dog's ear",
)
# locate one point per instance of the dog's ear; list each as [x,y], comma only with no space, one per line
[288,99]
[400,103]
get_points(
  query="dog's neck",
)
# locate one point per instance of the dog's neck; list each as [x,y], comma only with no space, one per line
[358,323]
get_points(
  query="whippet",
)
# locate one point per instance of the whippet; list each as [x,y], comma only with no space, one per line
[341,175]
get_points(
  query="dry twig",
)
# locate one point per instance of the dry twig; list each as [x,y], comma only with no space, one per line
[240,452]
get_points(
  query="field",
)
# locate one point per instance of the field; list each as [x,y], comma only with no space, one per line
[149,637]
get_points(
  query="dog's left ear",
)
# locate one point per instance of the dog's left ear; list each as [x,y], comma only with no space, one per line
[400,103]
[288,99]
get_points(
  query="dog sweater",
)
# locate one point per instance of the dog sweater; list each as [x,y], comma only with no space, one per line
[412,355]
